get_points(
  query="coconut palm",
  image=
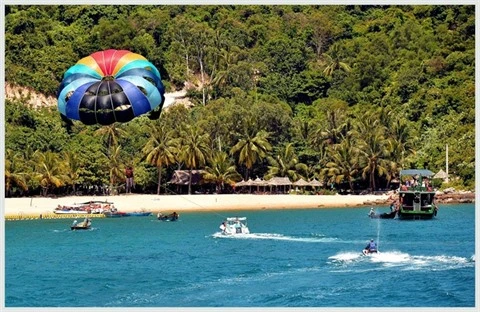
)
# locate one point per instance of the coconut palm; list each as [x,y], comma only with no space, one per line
[48,170]
[251,148]
[194,150]
[111,134]
[221,170]
[343,164]
[72,167]
[373,148]
[115,167]
[13,175]
[286,164]
[160,149]
[334,61]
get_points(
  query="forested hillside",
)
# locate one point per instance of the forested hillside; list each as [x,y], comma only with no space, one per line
[345,94]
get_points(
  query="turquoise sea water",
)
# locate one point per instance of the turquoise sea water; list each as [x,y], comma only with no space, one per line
[293,258]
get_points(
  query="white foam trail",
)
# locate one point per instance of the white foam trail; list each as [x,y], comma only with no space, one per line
[346,256]
[274,236]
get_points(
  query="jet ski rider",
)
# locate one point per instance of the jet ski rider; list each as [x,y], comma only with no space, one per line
[371,246]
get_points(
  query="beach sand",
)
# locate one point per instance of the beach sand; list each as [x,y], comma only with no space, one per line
[179,203]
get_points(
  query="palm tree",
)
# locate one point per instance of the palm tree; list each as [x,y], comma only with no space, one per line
[334,61]
[48,170]
[194,150]
[373,149]
[72,168]
[13,176]
[343,164]
[221,170]
[111,134]
[286,164]
[115,168]
[160,149]
[251,148]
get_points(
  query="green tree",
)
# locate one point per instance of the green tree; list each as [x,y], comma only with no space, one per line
[115,169]
[160,149]
[286,164]
[334,61]
[221,170]
[13,175]
[194,150]
[343,164]
[251,148]
[72,167]
[48,171]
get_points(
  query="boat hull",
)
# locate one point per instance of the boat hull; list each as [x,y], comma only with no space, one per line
[138,214]
[415,216]
[115,214]
[75,228]
[70,212]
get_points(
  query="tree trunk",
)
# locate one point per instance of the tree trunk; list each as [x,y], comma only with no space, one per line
[159,179]
[190,182]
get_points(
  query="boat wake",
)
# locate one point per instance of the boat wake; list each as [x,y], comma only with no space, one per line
[279,237]
[400,259]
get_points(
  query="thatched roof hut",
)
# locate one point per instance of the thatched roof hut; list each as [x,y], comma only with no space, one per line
[181,177]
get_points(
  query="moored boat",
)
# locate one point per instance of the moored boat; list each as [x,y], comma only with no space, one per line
[84,225]
[416,196]
[93,206]
[385,215]
[139,214]
[168,217]
[235,226]
[115,214]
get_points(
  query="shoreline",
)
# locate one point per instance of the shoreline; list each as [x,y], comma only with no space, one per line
[33,207]
[195,203]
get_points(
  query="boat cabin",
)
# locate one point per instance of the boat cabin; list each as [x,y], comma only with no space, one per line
[416,195]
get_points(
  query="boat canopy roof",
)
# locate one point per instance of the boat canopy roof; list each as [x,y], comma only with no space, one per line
[236,219]
[413,172]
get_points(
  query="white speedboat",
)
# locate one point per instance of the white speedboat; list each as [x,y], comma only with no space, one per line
[234,226]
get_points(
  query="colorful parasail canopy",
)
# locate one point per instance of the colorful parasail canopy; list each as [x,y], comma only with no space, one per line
[110,86]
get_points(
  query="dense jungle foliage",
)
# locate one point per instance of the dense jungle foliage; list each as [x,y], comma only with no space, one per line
[348,95]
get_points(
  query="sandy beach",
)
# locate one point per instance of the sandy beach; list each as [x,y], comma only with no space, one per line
[179,203]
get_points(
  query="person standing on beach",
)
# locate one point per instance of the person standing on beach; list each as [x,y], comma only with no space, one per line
[129,179]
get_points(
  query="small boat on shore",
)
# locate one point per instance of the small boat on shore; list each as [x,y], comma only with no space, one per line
[168,217]
[84,225]
[234,226]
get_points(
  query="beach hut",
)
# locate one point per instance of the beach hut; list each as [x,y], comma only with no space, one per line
[259,182]
[315,184]
[441,175]
[182,177]
[280,181]
[301,183]
[249,183]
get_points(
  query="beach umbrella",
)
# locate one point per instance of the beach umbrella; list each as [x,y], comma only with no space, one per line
[241,183]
